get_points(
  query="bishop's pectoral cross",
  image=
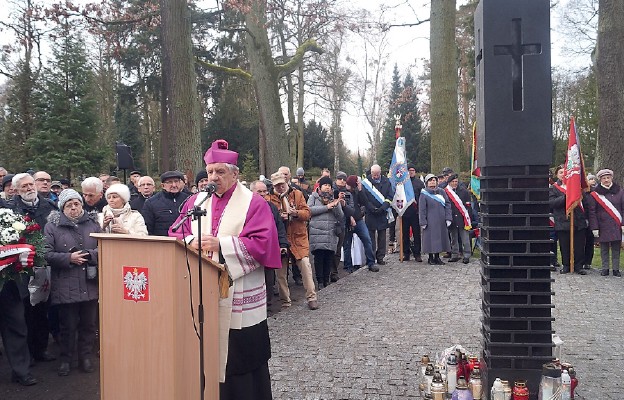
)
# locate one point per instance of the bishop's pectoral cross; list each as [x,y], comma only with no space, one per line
[517,50]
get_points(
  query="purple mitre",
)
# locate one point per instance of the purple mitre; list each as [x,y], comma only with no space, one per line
[219,153]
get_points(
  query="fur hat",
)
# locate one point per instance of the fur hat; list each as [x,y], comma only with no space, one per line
[66,195]
[121,190]
[352,181]
[429,177]
[604,172]
[325,180]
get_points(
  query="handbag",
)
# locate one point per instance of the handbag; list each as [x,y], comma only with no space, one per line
[39,285]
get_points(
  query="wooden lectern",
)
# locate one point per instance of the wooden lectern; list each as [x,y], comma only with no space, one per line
[148,345]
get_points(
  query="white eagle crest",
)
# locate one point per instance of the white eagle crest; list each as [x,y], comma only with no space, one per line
[136,283]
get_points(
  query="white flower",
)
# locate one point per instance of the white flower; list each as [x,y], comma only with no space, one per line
[18,226]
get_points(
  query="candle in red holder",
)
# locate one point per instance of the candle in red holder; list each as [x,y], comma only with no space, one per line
[520,391]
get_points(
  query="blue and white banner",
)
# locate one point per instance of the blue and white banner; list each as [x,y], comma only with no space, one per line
[400,179]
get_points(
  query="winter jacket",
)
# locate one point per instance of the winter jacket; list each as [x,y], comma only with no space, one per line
[432,217]
[69,283]
[323,224]
[464,196]
[161,210]
[608,229]
[279,224]
[412,210]
[96,208]
[296,229]
[376,211]
[557,202]
[38,213]
[138,202]
[130,219]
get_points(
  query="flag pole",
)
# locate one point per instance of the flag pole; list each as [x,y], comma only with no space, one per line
[572,241]
[401,239]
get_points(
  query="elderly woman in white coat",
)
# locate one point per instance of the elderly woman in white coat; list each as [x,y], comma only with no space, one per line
[327,217]
[434,209]
[117,216]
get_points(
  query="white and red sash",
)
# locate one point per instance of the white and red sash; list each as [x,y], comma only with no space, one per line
[460,206]
[563,190]
[22,255]
[608,207]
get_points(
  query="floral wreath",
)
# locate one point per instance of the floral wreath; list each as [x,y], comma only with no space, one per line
[21,245]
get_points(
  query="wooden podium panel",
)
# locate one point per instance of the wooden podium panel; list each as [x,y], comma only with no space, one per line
[148,347]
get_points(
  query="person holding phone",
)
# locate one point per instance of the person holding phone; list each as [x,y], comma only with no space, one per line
[73,256]
[117,216]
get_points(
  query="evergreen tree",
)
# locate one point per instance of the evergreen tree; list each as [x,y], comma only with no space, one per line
[388,137]
[317,146]
[64,143]
[407,106]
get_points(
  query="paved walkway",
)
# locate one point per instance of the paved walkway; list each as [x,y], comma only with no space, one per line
[366,340]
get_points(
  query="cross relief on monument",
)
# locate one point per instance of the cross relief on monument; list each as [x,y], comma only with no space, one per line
[517,50]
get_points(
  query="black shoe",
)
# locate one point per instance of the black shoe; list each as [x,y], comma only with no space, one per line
[617,273]
[381,262]
[25,380]
[334,278]
[564,270]
[418,258]
[447,255]
[406,258]
[86,366]
[373,268]
[466,260]
[431,261]
[587,267]
[63,369]
[581,272]
[604,272]
[44,357]
[454,259]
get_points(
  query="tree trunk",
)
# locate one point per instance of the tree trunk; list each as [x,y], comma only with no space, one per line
[300,117]
[445,140]
[265,78]
[610,70]
[183,110]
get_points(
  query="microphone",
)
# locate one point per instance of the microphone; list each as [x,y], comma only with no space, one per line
[211,188]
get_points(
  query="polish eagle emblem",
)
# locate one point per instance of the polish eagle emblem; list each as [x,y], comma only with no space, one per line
[135,284]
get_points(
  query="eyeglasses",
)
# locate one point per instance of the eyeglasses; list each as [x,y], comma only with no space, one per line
[171,181]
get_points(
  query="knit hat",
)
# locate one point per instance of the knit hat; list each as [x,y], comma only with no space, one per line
[201,175]
[341,175]
[429,177]
[591,176]
[300,172]
[277,178]
[604,172]
[325,180]
[352,181]
[121,190]
[66,195]
[219,153]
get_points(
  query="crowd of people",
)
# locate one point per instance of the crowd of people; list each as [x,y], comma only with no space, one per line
[263,233]
[597,219]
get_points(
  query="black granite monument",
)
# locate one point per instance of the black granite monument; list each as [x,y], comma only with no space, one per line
[514,141]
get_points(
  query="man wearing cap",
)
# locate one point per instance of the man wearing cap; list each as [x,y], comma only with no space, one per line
[293,186]
[412,220]
[355,224]
[162,209]
[134,185]
[295,213]
[606,208]
[27,201]
[239,229]
[146,187]
[302,184]
[56,187]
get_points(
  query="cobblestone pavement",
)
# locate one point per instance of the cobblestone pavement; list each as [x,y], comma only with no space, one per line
[366,340]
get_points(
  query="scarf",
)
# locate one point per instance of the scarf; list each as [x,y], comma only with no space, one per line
[117,211]
[326,197]
[75,220]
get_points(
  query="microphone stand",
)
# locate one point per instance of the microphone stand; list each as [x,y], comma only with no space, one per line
[196,213]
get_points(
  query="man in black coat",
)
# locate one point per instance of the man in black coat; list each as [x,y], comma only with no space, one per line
[260,188]
[27,201]
[146,187]
[457,229]
[377,212]
[162,209]
[411,219]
